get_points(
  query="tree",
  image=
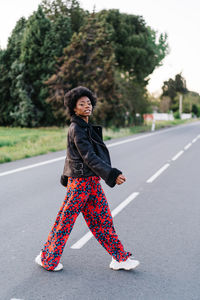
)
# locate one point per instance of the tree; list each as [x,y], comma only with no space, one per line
[169,89]
[180,84]
[98,49]
[42,42]
[88,61]
[195,109]
[175,88]
[135,45]
[71,9]
[22,113]
[133,100]
[165,104]
[189,99]
[33,70]
[9,57]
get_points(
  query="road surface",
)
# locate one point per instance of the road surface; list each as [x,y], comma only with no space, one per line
[157,218]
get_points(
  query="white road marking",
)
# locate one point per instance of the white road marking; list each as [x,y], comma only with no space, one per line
[178,155]
[33,166]
[124,203]
[188,146]
[130,140]
[138,138]
[109,146]
[80,243]
[194,140]
[160,171]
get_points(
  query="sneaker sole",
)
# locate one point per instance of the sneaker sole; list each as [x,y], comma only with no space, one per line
[127,269]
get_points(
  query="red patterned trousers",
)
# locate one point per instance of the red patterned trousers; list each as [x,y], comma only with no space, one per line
[87,196]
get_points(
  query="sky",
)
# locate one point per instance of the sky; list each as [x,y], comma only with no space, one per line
[180,19]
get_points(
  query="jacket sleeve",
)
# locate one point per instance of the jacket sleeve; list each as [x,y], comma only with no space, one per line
[93,161]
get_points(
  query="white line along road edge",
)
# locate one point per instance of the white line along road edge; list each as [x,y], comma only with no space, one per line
[109,146]
[80,243]
[33,166]
[63,157]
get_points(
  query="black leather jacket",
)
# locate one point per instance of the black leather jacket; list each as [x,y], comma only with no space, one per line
[87,155]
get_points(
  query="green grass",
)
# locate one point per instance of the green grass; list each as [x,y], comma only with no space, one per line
[122,132]
[17,143]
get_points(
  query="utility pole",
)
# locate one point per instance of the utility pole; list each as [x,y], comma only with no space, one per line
[153,126]
[180,104]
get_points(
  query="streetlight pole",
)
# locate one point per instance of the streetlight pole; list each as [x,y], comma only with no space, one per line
[180,105]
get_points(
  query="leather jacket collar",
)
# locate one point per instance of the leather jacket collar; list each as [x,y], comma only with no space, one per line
[79,121]
[94,131]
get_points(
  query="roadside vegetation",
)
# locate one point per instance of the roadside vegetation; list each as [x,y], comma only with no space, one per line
[60,46]
[18,143]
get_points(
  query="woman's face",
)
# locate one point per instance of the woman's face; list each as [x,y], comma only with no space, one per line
[83,107]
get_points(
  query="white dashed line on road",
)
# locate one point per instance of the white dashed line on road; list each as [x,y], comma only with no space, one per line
[188,146]
[178,155]
[194,140]
[80,243]
[158,173]
[124,203]
[108,145]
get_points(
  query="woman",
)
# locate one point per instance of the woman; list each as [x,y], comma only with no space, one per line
[86,162]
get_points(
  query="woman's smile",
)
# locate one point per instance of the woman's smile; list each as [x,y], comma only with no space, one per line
[83,108]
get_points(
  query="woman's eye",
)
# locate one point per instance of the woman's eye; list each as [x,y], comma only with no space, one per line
[86,104]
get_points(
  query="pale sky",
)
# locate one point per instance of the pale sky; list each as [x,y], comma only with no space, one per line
[179,18]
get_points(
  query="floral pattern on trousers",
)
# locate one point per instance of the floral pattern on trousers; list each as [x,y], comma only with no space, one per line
[87,196]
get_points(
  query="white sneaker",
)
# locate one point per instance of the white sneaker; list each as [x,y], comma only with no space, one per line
[39,262]
[129,264]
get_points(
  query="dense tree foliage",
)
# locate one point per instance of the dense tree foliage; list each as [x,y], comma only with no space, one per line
[135,56]
[61,46]
[31,58]
[135,45]
[71,9]
[87,61]
[171,88]
[133,100]
[191,103]
[8,61]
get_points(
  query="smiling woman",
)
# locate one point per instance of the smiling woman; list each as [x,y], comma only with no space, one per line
[83,108]
[87,161]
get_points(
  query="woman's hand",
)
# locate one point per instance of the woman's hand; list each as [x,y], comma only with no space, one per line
[120,179]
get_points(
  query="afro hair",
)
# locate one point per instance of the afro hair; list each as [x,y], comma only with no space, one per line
[72,96]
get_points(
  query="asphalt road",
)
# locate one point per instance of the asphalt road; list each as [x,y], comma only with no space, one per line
[160,226]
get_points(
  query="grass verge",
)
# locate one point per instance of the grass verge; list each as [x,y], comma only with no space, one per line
[122,132]
[18,143]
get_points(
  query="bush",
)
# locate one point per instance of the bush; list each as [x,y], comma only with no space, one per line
[198,115]
[177,115]
[195,109]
